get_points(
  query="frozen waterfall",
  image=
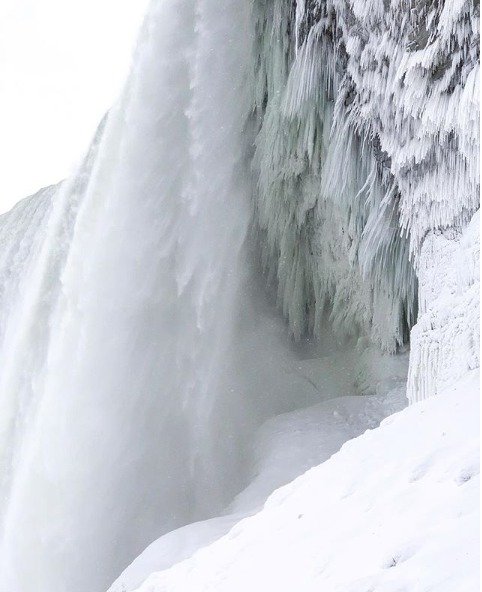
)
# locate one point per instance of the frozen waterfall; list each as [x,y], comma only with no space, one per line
[278,182]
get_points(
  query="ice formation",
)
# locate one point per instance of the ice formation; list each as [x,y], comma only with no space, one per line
[271,167]
[368,141]
[445,342]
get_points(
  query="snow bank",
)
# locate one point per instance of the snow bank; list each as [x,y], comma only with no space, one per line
[288,445]
[386,513]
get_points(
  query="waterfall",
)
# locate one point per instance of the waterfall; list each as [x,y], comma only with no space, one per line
[119,338]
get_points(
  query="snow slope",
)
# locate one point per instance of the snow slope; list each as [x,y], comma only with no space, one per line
[387,513]
[285,447]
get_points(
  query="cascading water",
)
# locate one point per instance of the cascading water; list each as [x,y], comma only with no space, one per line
[138,355]
[119,372]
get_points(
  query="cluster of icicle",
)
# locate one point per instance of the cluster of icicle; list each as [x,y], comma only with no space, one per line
[368,141]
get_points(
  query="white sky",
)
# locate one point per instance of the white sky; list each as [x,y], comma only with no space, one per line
[62,64]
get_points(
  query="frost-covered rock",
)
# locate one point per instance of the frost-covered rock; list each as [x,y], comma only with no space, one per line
[368,140]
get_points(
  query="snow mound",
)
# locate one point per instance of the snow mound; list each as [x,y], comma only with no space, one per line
[387,513]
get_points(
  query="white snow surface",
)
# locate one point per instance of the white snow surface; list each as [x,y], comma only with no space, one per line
[288,445]
[285,447]
[386,513]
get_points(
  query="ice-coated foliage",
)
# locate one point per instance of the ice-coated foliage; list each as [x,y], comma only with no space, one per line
[368,140]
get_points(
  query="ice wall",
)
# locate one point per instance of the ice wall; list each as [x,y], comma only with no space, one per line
[368,143]
[445,342]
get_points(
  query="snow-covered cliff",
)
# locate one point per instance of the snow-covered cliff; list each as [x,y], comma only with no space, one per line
[281,208]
